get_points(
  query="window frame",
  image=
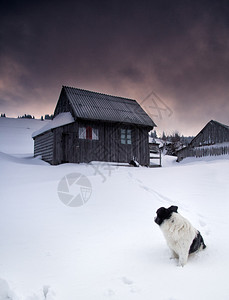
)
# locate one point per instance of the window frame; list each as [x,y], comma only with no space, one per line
[88,132]
[126,136]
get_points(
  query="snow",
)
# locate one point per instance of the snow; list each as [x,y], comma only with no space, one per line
[110,247]
[17,133]
[60,120]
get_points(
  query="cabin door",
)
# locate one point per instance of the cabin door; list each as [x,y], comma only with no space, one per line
[65,147]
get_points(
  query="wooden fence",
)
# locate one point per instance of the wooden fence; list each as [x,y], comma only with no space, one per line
[214,150]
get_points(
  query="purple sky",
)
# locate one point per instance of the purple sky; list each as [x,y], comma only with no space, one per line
[178,49]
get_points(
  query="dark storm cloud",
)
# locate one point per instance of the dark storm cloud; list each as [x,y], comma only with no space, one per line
[178,48]
[131,73]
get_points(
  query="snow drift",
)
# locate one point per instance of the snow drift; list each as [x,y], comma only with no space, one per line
[109,248]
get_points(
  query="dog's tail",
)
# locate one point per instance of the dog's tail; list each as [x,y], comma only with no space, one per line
[202,242]
[204,246]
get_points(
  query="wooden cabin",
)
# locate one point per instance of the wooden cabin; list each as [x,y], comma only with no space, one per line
[212,140]
[90,126]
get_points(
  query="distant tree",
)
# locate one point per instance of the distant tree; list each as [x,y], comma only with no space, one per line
[175,137]
[3,115]
[26,116]
[164,138]
[153,134]
[185,140]
[42,118]
[48,117]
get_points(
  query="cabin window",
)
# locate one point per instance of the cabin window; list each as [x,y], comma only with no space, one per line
[88,133]
[126,136]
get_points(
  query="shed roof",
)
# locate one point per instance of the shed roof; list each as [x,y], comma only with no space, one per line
[102,107]
[60,120]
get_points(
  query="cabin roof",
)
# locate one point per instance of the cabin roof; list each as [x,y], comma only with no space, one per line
[218,123]
[102,107]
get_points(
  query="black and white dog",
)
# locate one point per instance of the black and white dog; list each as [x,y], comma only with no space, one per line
[181,237]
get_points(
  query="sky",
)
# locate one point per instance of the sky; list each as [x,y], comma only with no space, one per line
[171,56]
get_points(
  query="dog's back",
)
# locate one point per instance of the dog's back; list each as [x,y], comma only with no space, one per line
[178,230]
[182,238]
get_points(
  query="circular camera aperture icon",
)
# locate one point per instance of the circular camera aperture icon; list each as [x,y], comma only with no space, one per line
[74,189]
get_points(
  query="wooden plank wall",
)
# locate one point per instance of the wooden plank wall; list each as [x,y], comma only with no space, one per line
[65,141]
[107,148]
[63,104]
[43,145]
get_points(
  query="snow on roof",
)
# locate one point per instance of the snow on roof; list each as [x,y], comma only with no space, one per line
[60,120]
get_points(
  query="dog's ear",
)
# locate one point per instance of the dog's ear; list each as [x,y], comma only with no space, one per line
[173,208]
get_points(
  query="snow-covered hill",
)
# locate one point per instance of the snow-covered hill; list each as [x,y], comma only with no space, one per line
[110,247]
[15,134]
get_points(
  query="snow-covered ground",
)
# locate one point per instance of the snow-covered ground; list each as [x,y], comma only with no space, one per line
[110,247]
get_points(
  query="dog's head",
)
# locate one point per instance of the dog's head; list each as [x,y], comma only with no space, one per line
[165,213]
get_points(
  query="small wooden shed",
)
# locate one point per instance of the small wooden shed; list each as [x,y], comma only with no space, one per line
[90,126]
[212,140]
